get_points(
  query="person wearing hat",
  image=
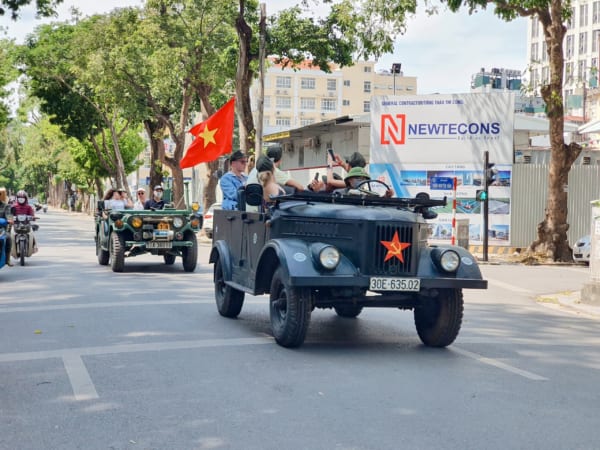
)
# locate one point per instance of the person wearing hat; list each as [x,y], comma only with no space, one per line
[140,199]
[357,175]
[354,160]
[156,202]
[233,180]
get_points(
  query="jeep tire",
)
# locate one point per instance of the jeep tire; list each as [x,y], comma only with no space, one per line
[117,252]
[229,300]
[438,319]
[290,310]
[189,255]
[103,255]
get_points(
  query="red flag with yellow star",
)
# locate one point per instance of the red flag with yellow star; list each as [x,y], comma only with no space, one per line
[213,137]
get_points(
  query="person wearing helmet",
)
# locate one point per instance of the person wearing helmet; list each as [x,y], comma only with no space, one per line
[22,207]
[5,213]
[357,175]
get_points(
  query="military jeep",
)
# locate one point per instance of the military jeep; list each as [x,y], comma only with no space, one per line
[167,232]
[341,251]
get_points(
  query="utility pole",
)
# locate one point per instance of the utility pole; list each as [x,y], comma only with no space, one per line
[486,157]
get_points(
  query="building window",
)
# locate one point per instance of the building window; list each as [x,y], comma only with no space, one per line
[545,75]
[581,69]
[595,13]
[331,84]
[283,82]
[544,51]
[305,122]
[307,104]
[267,101]
[534,52]
[283,121]
[568,72]
[595,39]
[570,46]
[367,69]
[583,15]
[345,102]
[346,83]
[366,106]
[328,104]
[571,21]
[307,83]
[535,27]
[367,86]
[583,43]
[283,102]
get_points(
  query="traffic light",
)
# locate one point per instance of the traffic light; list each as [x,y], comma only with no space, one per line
[490,175]
[481,195]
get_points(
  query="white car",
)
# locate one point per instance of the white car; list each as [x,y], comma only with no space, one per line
[582,250]
[208,220]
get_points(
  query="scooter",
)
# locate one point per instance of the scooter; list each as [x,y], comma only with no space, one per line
[23,245]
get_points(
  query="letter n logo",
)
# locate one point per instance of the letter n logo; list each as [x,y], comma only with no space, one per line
[393,129]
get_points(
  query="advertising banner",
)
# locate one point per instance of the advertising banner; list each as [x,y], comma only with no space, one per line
[416,141]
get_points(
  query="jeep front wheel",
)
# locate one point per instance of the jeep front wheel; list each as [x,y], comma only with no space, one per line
[229,300]
[103,255]
[438,319]
[348,311]
[290,310]
[189,255]
[117,252]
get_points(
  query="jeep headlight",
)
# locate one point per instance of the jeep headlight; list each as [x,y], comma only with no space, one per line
[136,222]
[329,257]
[177,222]
[446,259]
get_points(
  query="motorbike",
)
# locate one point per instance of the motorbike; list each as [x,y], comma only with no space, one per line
[23,241]
[3,236]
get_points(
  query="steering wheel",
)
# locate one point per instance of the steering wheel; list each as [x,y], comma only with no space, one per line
[369,191]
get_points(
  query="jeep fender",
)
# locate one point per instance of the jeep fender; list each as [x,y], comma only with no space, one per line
[468,269]
[221,251]
[296,258]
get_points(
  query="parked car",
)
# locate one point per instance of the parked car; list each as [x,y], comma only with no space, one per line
[582,249]
[208,219]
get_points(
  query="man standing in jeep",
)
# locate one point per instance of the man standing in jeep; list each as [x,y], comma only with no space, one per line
[156,202]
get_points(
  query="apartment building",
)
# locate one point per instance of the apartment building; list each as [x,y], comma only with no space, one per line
[581,51]
[295,98]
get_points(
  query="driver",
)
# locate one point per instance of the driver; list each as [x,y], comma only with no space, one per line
[358,175]
[156,202]
[22,207]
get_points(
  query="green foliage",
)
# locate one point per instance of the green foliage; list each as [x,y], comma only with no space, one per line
[45,8]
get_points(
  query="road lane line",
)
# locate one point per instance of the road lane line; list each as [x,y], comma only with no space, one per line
[509,287]
[500,365]
[131,348]
[81,382]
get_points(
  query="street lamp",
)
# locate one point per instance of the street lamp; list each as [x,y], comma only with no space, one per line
[396,68]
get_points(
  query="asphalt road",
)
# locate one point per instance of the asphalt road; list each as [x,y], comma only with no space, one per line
[90,359]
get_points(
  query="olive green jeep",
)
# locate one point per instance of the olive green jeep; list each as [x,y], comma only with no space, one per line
[167,232]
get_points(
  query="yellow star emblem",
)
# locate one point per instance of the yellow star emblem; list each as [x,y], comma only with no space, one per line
[395,248]
[208,136]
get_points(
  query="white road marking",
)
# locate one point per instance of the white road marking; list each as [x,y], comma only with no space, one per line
[81,382]
[500,365]
[510,287]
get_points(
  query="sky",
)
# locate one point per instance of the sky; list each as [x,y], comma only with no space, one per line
[443,51]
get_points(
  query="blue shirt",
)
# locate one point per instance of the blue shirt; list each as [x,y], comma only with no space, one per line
[230,183]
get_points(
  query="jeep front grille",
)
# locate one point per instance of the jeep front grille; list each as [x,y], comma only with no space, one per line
[393,266]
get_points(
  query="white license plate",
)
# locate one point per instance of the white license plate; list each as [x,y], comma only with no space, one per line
[395,284]
[159,244]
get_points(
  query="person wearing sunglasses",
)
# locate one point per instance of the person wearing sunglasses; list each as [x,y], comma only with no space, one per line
[234,179]
[140,199]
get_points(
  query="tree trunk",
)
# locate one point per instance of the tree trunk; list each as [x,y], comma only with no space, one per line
[155,132]
[243,79]
[552,231]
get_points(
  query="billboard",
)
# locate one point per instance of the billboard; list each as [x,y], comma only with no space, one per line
[418,140]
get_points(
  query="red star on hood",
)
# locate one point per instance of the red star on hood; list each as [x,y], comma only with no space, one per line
[395,248]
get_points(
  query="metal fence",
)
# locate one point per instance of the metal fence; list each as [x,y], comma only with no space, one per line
[528,203]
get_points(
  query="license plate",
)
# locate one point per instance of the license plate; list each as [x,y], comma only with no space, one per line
[152,244]
[395,284]
[577,255]
[158,234]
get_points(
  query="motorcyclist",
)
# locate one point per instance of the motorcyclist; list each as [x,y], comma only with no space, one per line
[21,206]
[5,213]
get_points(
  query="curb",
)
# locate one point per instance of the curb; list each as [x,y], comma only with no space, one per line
[570,301]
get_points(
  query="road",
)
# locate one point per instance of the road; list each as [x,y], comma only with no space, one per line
[90,359]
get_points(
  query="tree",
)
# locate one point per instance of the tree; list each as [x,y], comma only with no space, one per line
[552,231]
[45,8]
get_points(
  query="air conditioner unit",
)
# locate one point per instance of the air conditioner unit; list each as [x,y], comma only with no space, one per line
[277,92]
[331,93]
[277,112]
[284,92]
[317,141]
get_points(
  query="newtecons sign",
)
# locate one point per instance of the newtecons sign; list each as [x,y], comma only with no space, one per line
[415,138]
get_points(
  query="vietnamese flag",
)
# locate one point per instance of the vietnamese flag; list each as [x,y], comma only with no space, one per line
[213,137]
